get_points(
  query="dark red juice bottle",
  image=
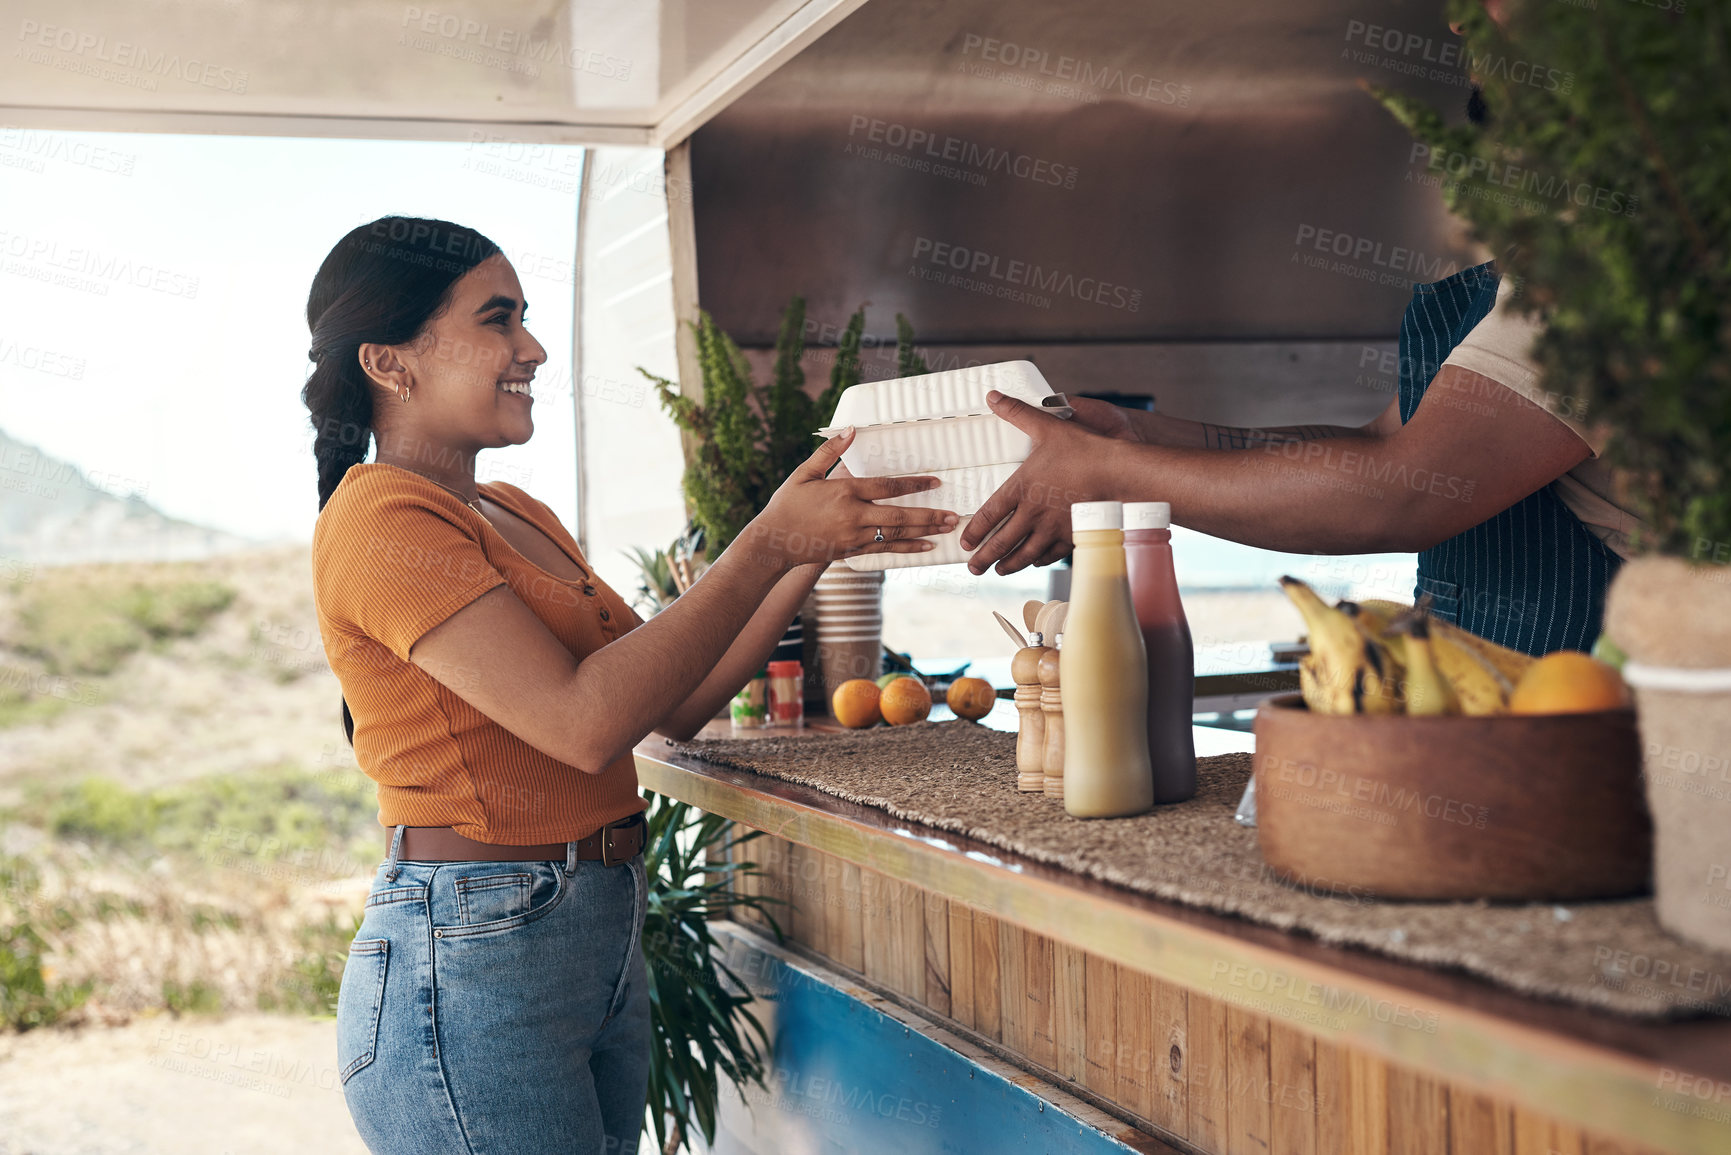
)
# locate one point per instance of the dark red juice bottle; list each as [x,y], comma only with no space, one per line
[1166,635]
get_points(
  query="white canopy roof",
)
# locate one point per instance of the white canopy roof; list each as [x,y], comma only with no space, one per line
[588,72]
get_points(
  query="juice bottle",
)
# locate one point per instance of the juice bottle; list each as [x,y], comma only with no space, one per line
[1103,675]
[1166,638]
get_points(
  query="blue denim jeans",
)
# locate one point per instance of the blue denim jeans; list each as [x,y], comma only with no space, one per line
[498,1008]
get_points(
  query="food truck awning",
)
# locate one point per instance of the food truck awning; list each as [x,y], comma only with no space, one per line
[582,72]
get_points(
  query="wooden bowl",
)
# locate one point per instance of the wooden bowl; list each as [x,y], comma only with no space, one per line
[1514,807]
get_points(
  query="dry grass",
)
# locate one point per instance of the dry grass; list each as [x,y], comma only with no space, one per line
[182,825]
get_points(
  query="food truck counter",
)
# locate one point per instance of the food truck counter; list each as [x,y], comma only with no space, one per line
[1205,1031]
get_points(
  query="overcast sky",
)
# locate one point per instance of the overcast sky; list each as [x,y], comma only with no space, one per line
[153,294]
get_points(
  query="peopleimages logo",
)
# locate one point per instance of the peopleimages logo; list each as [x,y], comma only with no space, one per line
[979,270]
[1468,169]
[1416,51]
[959,151]
[510,42]
[1060,71]
[89,46]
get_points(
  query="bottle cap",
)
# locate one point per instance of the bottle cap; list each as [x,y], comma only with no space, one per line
[1086,515]
[784,669]
[1147,515]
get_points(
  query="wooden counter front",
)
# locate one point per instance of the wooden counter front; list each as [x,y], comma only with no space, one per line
[1207,1031]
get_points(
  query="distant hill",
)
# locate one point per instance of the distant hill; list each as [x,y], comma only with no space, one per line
[51,513]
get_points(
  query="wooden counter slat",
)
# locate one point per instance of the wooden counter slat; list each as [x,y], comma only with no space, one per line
[1548,1070]
[1132,1057]
[988,1012]
[1248,1131]
[853,919]
[1331,1096]
[1418,1114]
[1207,1060]
[1366,1105]
[937,952]
[1169,1059]
[1040,968]
[962,965]
[909,921]
[1070,1014]
[1111,1023]
[1291,1091]
[1480,1123]
[1535,1135]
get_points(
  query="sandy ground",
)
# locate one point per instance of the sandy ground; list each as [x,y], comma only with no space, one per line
[242,1085]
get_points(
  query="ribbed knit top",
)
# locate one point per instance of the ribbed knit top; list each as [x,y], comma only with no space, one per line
[395,554]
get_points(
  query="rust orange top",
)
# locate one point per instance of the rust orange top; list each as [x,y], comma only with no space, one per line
[394,554]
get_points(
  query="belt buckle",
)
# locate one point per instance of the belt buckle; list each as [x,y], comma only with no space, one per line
[607,844]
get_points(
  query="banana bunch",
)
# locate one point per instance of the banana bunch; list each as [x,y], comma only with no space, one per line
[1382,657]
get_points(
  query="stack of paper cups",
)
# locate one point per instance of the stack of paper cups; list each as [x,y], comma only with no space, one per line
[850,619]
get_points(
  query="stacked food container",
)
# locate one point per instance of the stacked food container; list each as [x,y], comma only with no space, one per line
[938,424]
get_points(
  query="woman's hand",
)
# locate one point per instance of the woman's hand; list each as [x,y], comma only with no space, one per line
[812,518]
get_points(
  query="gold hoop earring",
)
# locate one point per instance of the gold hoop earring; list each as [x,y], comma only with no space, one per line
[405,396]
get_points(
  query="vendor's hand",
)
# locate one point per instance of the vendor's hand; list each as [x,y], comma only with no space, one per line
[1062,468]
[1105,418]
[814,519]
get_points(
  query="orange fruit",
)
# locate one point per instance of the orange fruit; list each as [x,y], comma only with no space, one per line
[905,700]
[971,698]
[855,704]
[1568,682]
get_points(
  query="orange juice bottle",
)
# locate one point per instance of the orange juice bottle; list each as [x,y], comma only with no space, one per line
[1166,637]
[1103,674]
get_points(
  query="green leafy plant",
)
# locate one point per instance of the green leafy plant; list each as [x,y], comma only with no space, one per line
[1603,181]
[29,995]
[664,574]
[748,438]
[703,1028]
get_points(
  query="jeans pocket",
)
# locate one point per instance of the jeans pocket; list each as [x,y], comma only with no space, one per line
[1445,598]
[492,897]
[360,1000]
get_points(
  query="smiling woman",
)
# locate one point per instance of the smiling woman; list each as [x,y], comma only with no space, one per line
[496,993]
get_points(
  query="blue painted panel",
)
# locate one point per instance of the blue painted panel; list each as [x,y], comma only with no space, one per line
[850,1080]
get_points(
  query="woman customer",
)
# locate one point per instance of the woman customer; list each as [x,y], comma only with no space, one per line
[495,994]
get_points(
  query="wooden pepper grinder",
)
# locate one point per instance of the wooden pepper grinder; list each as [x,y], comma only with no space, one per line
[1031,734]
[1051,625]
[1052,707]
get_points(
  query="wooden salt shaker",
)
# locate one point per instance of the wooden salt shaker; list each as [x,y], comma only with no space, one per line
[1052,706]
[1031,733]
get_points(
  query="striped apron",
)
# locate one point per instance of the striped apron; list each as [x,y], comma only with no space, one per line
[1533,577]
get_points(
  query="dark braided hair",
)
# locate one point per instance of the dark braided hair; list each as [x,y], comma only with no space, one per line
[380,284]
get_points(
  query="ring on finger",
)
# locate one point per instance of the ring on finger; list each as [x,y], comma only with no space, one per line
[880,534]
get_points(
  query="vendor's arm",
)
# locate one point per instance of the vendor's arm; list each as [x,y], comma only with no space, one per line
[1472,449]
[1179,433]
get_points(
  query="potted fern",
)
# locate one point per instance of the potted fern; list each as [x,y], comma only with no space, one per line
[747,438]
[664,574]
[703,1027]
[1631,273]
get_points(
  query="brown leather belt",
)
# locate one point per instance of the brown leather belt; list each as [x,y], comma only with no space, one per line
[613,844]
